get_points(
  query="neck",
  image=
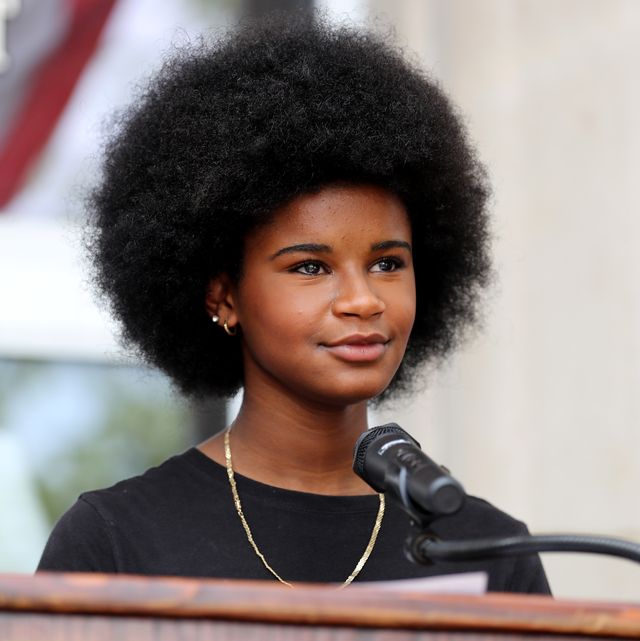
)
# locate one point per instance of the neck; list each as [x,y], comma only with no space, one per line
[295,444]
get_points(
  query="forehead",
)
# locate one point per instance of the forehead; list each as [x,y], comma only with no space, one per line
[337,214]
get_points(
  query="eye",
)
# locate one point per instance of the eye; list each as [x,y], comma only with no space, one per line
[387,264]
[309,268]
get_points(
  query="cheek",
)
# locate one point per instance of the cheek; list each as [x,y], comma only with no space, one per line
[404,306]
[280,316]
[411,312]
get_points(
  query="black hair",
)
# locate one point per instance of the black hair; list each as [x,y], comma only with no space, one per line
[228,132]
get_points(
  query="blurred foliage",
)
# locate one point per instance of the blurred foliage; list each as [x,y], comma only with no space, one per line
[136,422]
[12,380]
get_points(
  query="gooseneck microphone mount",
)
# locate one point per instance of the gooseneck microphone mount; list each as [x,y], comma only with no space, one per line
[425,548]
[391,461]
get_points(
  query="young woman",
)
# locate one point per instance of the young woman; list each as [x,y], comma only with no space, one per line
[294,211]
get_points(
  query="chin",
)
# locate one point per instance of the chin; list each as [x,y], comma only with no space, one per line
[353,394]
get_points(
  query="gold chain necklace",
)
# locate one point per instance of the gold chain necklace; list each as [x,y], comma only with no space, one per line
[245,525]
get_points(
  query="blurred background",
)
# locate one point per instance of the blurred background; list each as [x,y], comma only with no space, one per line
[539,412]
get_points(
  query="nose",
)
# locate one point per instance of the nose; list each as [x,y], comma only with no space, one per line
[355,296]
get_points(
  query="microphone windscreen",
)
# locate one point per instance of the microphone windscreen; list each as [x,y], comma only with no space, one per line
[366,438]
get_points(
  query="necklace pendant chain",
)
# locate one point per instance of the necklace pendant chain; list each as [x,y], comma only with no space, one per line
[247,529]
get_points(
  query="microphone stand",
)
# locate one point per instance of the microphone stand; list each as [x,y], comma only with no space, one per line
[424,547]
[385,456]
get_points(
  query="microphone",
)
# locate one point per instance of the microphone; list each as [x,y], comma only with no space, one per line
[390,460]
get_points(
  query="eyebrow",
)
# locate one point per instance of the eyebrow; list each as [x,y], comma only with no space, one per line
[326,249]
[392,244]
[303,247]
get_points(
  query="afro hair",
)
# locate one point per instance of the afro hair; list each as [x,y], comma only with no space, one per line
[226,133]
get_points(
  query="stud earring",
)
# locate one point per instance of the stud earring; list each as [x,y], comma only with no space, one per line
[230,330]
[215,318]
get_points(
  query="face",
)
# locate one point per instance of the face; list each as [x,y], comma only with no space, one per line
[326,300]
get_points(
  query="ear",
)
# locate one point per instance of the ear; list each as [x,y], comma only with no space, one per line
[220,300]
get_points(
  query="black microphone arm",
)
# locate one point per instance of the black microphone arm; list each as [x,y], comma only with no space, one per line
[424,548]
[390,461]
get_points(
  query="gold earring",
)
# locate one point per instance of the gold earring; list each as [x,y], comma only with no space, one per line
[230,330]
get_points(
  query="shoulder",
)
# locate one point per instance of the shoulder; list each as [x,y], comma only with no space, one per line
[80,542]
[480,519]
[158,485]
[89,536]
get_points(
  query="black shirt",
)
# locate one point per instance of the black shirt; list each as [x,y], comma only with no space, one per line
[179,519]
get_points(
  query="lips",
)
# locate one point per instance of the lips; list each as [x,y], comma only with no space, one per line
[358,347]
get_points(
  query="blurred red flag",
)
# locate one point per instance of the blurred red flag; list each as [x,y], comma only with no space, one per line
[42,77]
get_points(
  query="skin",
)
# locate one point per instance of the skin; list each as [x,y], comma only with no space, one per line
[324,309]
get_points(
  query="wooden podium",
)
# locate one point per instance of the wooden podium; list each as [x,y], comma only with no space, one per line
[97,607]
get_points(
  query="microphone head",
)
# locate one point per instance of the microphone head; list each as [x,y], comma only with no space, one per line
[364,442]
[389,459]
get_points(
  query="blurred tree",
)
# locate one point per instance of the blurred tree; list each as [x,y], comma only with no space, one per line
[85,426]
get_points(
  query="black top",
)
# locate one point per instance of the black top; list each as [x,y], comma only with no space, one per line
[179,519]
